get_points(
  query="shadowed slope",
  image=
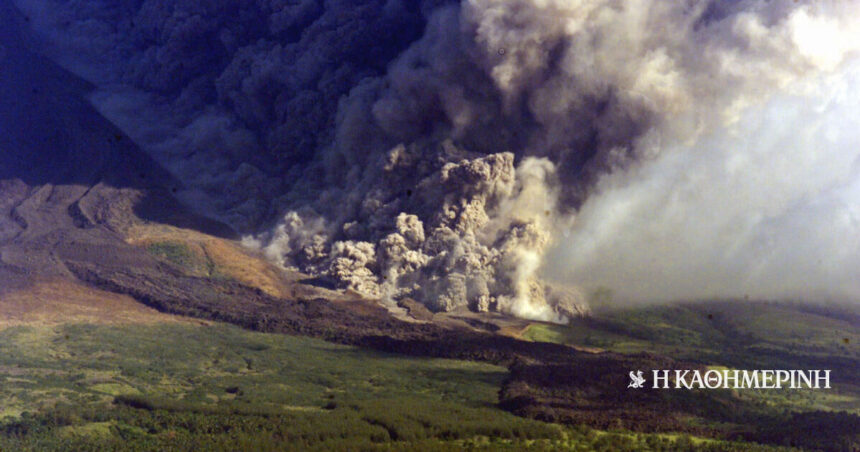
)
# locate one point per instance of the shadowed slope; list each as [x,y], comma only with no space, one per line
[69,179]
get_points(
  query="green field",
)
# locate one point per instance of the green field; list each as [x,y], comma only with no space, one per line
[733,335]
[214,387]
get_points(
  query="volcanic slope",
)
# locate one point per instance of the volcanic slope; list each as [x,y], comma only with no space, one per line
[90,231]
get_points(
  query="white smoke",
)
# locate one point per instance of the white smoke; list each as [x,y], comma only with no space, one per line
[749,189]
[520,155]
[767,207]
[485,229]
[713,131]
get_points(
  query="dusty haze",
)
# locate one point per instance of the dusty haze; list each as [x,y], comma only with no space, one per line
[526,156]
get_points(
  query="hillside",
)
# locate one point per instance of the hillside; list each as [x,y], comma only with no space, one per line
[126,316]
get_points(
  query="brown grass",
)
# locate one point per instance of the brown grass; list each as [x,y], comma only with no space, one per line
[49,303]
[228,258]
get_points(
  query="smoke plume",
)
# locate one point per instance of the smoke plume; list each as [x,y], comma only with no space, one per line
[524,156]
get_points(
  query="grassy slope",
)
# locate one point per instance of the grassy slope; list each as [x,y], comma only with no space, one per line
[739,335]
[182,385]
[185,386]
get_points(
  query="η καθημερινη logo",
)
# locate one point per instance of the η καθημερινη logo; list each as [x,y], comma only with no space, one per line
[733,379]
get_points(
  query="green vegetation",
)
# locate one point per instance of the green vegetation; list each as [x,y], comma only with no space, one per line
[196,387]
[191,260]
[734,335]
[220,365]
[131,429]
[176,252]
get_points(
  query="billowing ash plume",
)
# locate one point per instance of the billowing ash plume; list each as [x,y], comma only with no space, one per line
[465,154]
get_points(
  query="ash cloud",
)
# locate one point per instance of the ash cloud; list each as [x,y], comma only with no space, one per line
[523,156]
[236,98]
[764,208]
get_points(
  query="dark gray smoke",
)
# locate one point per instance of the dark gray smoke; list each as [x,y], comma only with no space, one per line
[237,98]
[466,154]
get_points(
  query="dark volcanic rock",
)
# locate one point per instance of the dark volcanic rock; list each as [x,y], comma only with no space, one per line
[416,310]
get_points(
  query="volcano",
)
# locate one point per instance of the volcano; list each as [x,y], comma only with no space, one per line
[131,318]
